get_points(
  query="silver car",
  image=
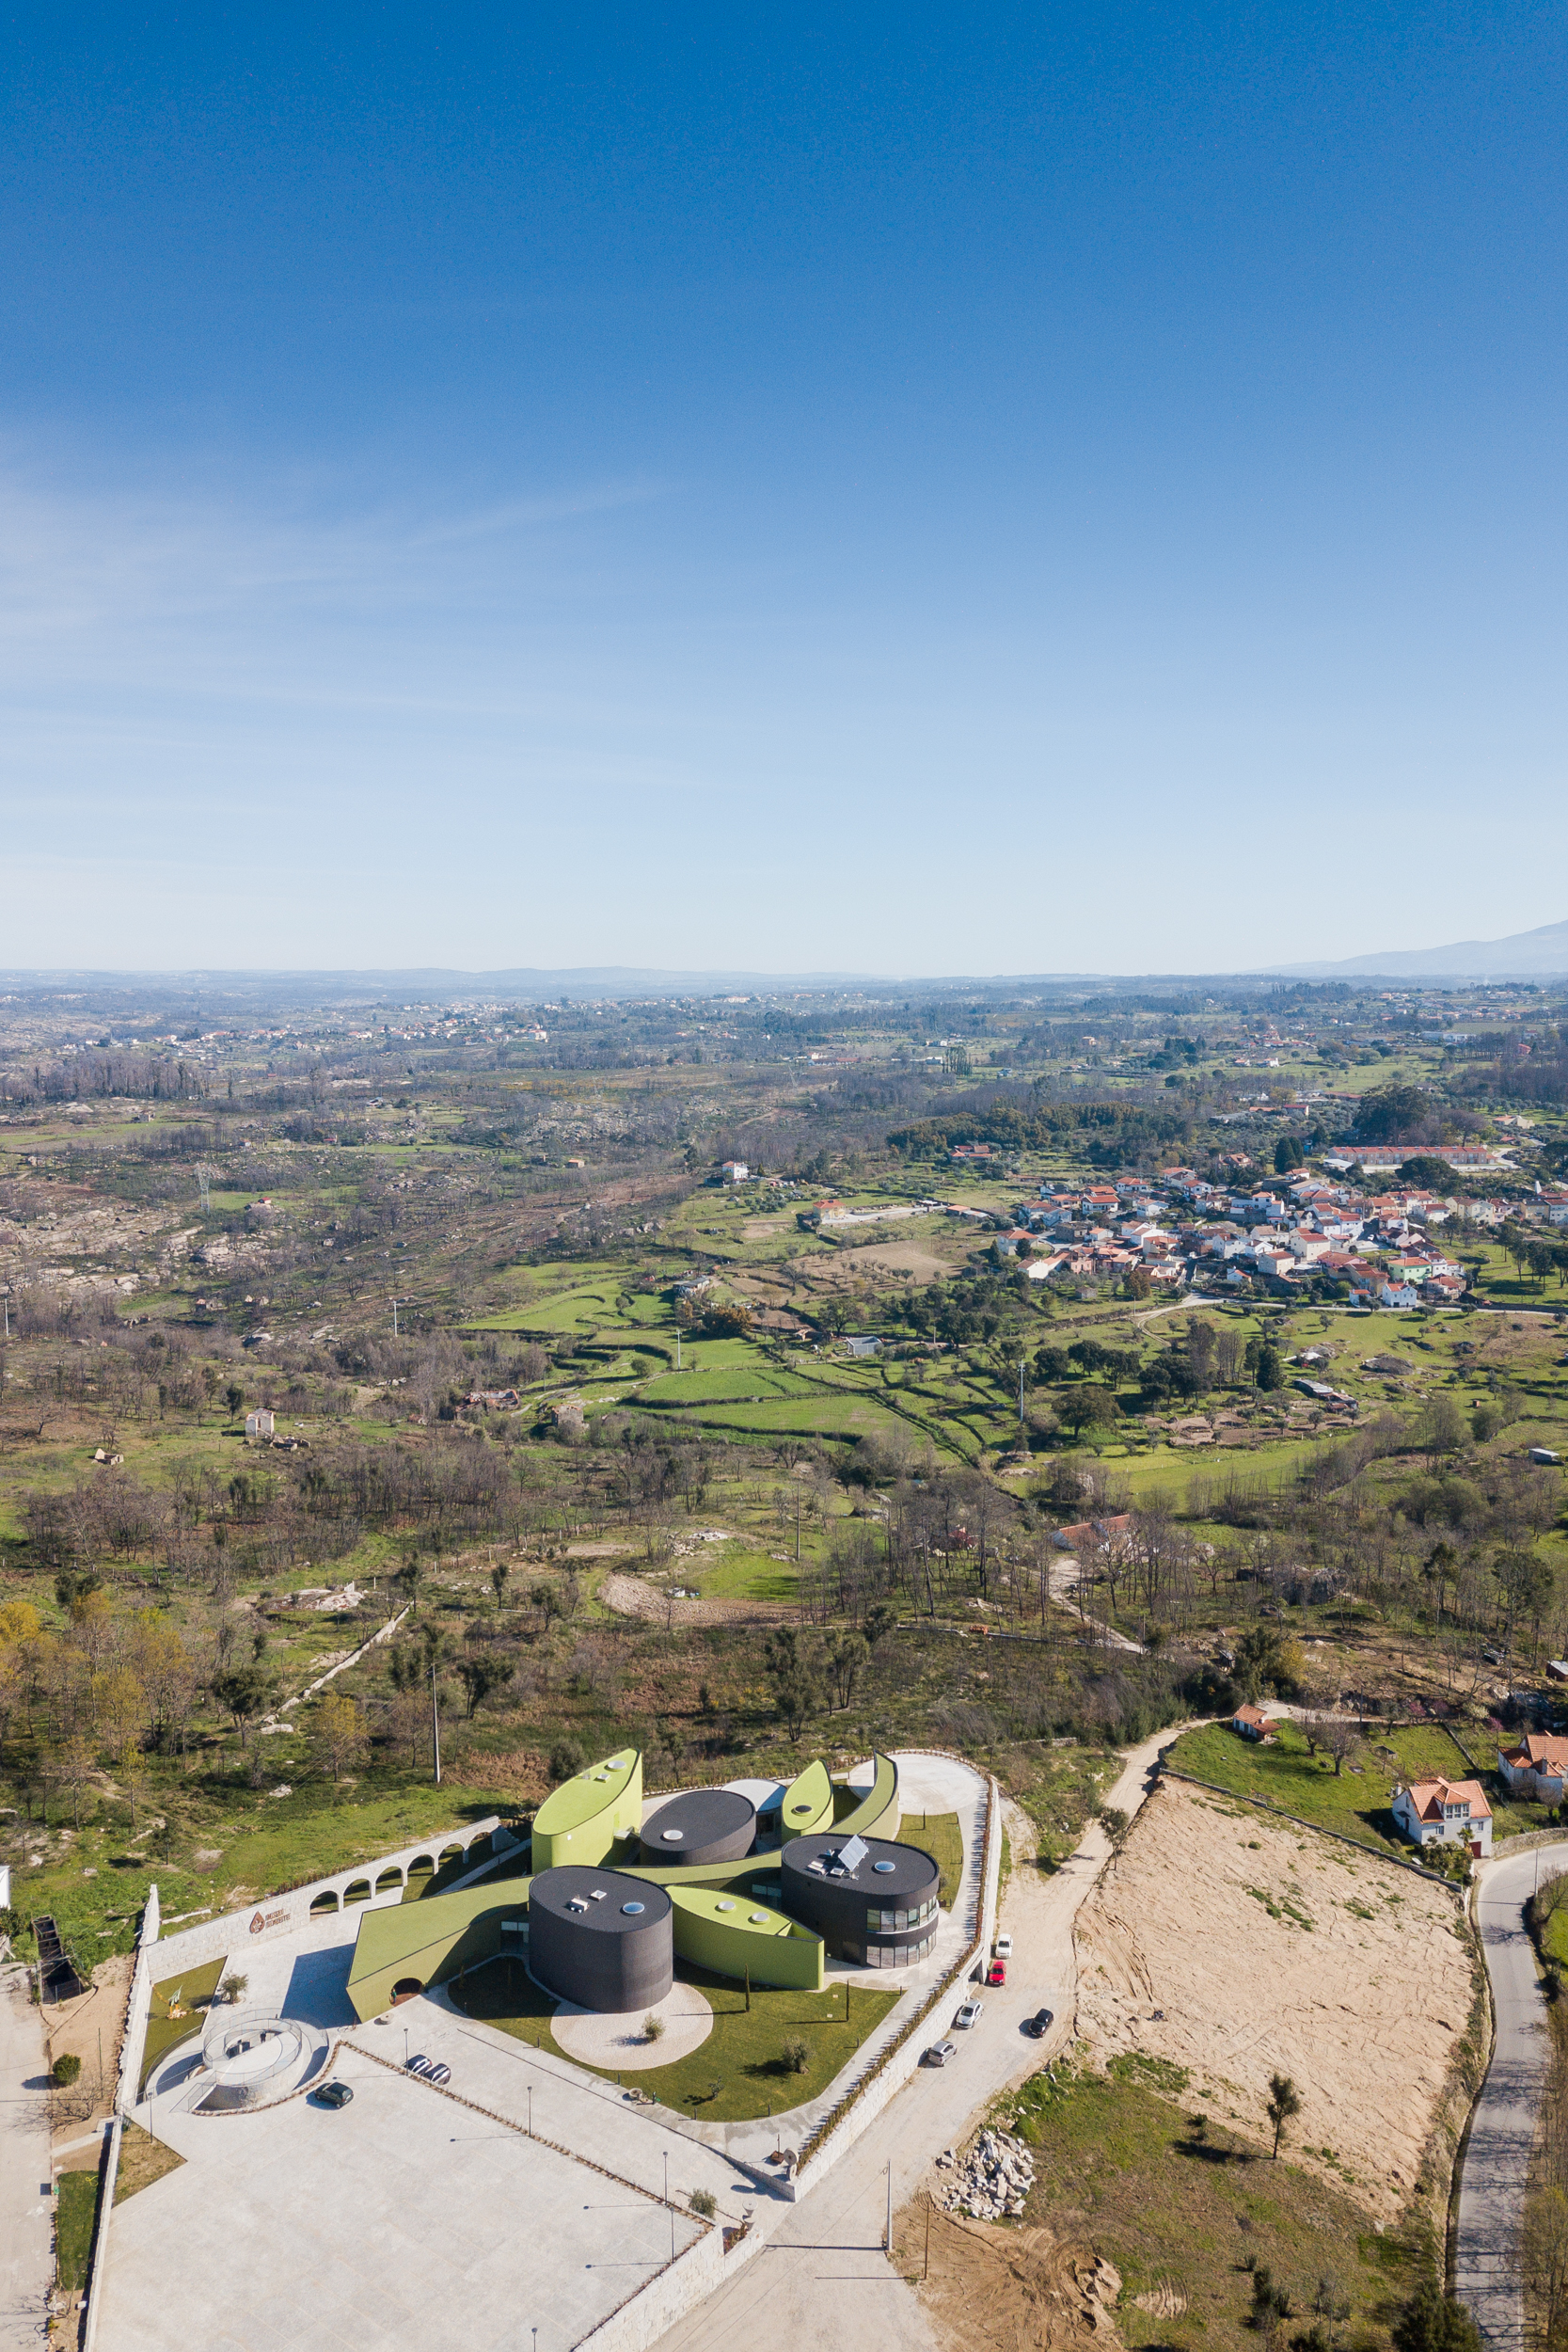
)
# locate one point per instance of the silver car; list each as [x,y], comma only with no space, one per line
[969,2015]
[940,2053]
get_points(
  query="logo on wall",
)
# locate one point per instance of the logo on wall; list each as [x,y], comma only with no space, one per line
[256,1924]
[272,1919]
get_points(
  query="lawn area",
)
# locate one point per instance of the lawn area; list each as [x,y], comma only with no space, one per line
[737,1574]
[195,1988]
[75,2210]
[142,2161]
[937,1834]
[1119,2163]
[1356,1803]
[740,2056]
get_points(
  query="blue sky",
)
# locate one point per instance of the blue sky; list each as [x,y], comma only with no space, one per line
[993,491]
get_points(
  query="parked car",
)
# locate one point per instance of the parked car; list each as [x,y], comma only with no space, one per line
[1004,1947]
[334,2095]
[969,2015]
[997,1972]
[1038,2027]
[939,2052]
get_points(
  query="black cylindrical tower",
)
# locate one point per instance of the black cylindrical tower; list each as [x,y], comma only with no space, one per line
[599,1939]
[872,1902]
[703,1825]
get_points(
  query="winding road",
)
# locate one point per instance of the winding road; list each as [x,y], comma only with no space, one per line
[1488,2259]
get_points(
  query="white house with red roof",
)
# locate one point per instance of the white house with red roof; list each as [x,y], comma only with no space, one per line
[1538,1767]
[1446,1813]
[1251,1723]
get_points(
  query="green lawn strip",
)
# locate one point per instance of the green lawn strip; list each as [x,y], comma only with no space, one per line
[195,1988]
[742,2054]
[1121,2164]
[737,1574]
[75,2212]
[937,1834]
[1354,1803]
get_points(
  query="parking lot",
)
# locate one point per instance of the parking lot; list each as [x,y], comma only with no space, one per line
[404,2221]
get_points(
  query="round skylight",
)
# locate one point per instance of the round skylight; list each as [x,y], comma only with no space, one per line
[723,1906]
[672,1837]
[632,1910]
[759,1918]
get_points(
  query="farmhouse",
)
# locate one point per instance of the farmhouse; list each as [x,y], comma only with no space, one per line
[1446,1812]
[1538,1766]
[1251,1723]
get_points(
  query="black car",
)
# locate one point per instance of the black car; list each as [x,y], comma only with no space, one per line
[1038,2027]
[334,2095]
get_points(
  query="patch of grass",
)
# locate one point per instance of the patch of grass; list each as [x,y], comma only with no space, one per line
[743,2055]
[937,1834]
[163,2032]
[75,2213]
[142,2161]
[1187,2208]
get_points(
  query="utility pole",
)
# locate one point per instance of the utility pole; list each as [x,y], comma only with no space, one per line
[887,2240]
[435,1721]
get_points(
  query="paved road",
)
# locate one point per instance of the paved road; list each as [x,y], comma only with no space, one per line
[1487,2257]
[26,2237]
[822,2280]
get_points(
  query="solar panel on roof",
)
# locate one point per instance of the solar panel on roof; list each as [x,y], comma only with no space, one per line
[853,1853]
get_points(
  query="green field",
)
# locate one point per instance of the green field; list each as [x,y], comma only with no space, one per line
[937,1834]
[1356,1802]
[1190,2211]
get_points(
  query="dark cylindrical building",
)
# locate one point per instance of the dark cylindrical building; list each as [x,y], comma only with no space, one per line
[599,1939]
[703,1825]
[870,1901]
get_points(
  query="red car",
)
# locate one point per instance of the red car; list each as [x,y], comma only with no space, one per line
[997,1972]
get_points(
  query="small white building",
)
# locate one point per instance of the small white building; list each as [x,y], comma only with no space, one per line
[259,1424]
[1446,1813]
[1538,1767]
[734,1172]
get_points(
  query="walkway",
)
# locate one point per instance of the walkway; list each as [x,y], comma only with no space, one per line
[1488,2260]
[26,2237]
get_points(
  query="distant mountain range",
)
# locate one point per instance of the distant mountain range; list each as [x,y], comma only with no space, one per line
[1524,956]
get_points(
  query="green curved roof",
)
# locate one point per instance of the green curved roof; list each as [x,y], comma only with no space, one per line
[808,1803]
[589,1814]
[587,1792]
[878,1814]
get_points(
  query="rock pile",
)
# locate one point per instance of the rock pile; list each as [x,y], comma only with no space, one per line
[992,2182]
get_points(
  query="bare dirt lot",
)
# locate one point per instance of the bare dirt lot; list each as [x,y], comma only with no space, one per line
[877,1258]
[630,1597]
[1235,1948]
[1015,2290]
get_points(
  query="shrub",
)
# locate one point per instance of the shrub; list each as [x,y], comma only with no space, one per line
[652,2028]
[703,2202]
[795,2055]
[566,1759]
[65,2071]
[235,1988]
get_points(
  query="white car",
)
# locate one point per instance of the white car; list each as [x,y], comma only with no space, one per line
[940,2053]
[969,2015]
[1004,1947]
